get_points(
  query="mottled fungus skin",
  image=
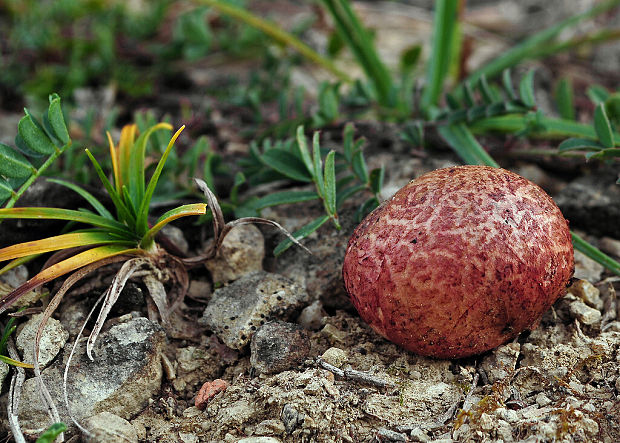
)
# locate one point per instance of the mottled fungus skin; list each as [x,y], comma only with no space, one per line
[459,261]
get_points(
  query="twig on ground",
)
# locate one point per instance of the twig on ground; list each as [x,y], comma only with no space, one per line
[359,376]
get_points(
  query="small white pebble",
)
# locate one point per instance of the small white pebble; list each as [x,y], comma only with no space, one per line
[335,357]
[584,313]
[542,400]
[509,415]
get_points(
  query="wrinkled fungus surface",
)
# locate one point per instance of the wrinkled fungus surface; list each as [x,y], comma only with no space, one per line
[459,261]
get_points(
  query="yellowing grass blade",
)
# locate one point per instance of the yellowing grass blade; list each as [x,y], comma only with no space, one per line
[115,170]
[64,214]
[64,267]
[128,137]
[181,211]
[56,243]
[10,361]
[141,222]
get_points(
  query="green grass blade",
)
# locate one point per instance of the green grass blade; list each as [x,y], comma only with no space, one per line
[330,184]
[302,144]
[173,214]
[553,127]
[603,127]
[65,214]
[287,164]
[358,39]
[284,198]
[461,140]
[90,198]
[530,47]
[445,26]
[143,212]
[595,254]
[565,99]
[300,234]
[137,181]
[10,361]
[17,262]
[278,34]
[122,210]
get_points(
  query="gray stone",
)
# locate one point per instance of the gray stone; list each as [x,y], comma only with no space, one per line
[542,400]
[387,435]
[53,339]
[106,427]
[418,435]
[278,346]
[237,310]
[125,373]
[584,313]
[176,237]
[73,316]
[291,418]
[241,253]
[270,427]
[11,280]
[501,362]
[15,277]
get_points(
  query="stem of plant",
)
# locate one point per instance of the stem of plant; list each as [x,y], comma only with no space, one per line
[34,176]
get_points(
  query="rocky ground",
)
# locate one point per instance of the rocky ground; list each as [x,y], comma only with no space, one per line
[270,350]
[277,353]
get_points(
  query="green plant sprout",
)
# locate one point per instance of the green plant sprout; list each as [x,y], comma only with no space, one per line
[51,433]
[335,176]
[41,143]
[124,234]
